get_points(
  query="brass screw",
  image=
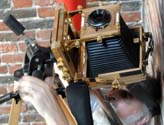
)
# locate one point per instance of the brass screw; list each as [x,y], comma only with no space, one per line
[99,39]
[60,63]
[116,84]
[64,69]
[66,76]
[136,40]
[77,43]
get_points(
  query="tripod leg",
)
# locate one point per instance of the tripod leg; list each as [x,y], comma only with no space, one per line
[15,110]
[71,119]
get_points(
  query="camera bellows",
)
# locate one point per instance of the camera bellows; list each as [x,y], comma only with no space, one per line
[109,58]
[112,54]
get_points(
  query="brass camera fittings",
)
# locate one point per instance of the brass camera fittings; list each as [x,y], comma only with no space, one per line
[60,63]
[66,76]
[99,39]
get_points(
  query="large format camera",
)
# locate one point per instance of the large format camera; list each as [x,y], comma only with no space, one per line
[105,52]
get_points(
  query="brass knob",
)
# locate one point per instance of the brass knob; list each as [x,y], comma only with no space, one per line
[77,43]
[116,84]
[60,64]
[66,76]
[99,39]
[65,70]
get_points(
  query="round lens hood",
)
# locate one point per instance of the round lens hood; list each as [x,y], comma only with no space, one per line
[99,18]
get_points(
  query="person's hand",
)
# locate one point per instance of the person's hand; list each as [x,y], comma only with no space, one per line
[40,95]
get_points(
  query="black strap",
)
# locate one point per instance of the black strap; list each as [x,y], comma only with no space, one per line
[79,102]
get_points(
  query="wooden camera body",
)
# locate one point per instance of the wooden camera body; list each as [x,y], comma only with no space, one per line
[105,52]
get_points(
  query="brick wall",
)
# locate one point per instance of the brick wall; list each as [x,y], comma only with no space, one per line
[37,17]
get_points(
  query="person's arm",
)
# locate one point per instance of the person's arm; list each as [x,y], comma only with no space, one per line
[42,98]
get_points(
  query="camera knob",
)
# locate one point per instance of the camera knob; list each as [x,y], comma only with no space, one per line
[60,63]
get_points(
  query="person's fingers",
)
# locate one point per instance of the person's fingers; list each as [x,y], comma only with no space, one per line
[31,95]
[37,84]
[26,97]
[25,90]
[31,79]
[31,82]
[50,82]
[25,94]
[32,88]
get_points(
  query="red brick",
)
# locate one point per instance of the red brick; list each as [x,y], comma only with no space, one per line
[8,37]
[2,90]
[44,43]
[8,47]
[4,109]
[11,87]
[13,68]
[3,26]
[30,34]
[131,16]
[44,2]
[46,12]
[33,117]
[22,47]
[22,3]
[13,58]
[3,69]
[39,123]
[24,108]
[13,37]
[44,35]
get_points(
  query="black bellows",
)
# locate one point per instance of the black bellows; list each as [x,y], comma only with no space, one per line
[113,54]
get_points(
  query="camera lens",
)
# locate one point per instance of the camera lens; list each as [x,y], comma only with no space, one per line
[99,18]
